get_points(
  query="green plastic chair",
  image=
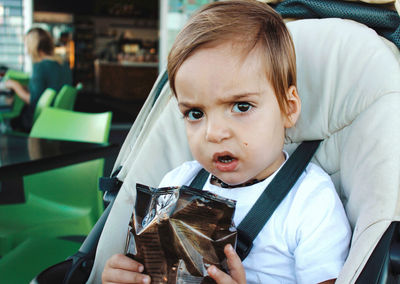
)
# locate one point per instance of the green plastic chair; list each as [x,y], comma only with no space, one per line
[45,100]
[20,76]
[18,104]
[63,201]
[66,97]
[22,264]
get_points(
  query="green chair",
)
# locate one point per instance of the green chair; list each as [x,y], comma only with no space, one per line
[16,75]
[14,112]
[18,104]
[66,97]
[63,201]
[45,100]
[23,263]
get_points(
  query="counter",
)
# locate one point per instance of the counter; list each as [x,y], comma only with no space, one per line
[130,81]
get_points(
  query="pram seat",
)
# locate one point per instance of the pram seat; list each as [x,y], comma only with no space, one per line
[348,80]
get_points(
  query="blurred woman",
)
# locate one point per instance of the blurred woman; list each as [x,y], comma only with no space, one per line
[49,71]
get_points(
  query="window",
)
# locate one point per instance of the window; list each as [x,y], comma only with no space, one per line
[11,34]
[173,16]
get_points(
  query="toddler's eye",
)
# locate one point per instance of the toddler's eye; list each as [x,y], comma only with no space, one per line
[242,107]
[194,114]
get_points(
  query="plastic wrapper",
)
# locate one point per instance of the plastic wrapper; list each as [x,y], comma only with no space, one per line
[178,232]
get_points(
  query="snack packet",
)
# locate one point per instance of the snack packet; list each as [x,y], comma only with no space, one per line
[178,232]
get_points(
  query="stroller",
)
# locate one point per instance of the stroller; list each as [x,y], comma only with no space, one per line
[353,130]
[349,84]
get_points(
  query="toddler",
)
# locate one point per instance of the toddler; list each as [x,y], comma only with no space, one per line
[233,71]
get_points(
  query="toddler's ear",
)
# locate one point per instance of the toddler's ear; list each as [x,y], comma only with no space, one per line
[293,107]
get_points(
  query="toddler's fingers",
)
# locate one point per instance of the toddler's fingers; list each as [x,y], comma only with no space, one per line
[124,276]
[236,269]
[121,261]
[219,276]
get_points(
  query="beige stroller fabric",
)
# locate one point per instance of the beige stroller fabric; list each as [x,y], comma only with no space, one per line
[349,83]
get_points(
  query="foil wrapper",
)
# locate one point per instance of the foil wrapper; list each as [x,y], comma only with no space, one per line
[178,232]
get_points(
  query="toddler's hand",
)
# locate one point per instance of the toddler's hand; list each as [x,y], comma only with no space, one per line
[236,270]
[122,269]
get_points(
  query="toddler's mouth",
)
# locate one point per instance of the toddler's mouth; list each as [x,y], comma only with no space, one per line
[225,159]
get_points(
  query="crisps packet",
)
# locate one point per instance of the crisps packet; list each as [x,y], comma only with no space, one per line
[178,232]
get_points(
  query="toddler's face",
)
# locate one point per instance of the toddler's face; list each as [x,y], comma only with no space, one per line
[233,121]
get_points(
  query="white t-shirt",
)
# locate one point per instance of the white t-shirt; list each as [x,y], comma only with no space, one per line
[307,238]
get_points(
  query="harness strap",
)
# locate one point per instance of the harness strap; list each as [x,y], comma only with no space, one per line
[200,179]
[110,185]
[272,196]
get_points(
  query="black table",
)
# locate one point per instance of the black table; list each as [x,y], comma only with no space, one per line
[23,155]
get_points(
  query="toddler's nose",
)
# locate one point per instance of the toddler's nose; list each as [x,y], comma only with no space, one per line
[217,131]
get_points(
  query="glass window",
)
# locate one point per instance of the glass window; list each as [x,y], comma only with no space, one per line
[174,14]
[11,34]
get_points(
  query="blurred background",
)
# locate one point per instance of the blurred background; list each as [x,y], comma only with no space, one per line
[50,167]
[115,48]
